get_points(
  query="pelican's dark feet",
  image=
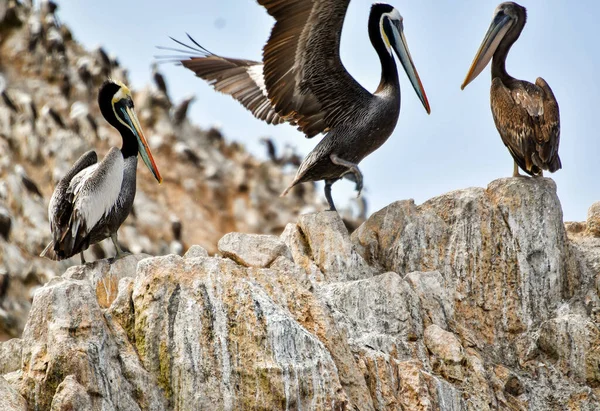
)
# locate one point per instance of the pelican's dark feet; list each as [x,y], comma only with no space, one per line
[328,184]
[352,177]
[120,252]
[353,170]
[82,258]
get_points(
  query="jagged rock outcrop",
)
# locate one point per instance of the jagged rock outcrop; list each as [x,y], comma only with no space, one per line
[49,117]
[478,299]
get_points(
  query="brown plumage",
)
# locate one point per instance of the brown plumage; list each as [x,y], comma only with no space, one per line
[527,119]
[526,115]
[303,71]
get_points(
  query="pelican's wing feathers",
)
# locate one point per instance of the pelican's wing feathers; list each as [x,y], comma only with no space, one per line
[527,120]
[302,79]
[549,127]
[241,79]
[60,206]
[304,75]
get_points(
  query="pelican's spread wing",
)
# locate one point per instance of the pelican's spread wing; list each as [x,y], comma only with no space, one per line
[302,79]
[241,79]
[526,120]
[303,72]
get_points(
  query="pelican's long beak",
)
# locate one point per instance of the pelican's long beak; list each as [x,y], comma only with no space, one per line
[498,29]
[131,118]
[398,43]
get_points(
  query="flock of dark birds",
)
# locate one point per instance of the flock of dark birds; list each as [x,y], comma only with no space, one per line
[301,80]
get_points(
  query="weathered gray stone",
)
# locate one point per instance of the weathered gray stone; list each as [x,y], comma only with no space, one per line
[104,275]
[10,355]
[443,344]
[381,313]
[252,250]
[502,252]
[196,251]
[447,350]
[121,307]
[593,219]
[333,253]
[10,400]
[299,248]
[70,395]
[573,341]
[269,360]
[67,334]
[436,302]
[421,390]
[214,333]
[472,374]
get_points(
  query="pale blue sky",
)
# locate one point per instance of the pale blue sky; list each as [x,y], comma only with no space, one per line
[457,146]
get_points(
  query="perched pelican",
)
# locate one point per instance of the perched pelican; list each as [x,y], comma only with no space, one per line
[159,80]
[302,80]
[179,112]
[7,100]
[526,115]
[91,202]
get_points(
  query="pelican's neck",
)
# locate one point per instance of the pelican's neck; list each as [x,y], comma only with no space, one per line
[499,62]
[499,59]
[105,95]
[389,71]
[130,145]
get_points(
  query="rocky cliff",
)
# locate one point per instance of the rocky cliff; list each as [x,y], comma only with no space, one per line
[478,299]
[49,117]
[475,300]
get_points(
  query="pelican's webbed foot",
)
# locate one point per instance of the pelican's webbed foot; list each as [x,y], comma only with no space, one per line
[352,168]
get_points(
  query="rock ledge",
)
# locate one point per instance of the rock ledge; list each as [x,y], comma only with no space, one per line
[474,300]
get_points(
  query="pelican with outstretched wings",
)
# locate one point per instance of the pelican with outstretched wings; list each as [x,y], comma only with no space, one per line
[302,81]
